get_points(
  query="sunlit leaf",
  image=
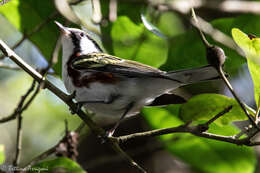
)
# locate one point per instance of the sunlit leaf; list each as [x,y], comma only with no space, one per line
[204,155]
[134,42]
[206,106]
[249,44]
[2,156]
[57,165]
[251,47]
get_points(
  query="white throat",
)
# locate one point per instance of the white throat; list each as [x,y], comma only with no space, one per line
[86,46]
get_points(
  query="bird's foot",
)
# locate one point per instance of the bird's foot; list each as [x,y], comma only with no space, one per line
[72,96]
[78,107]
[108,134]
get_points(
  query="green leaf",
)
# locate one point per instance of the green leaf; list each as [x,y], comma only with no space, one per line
[206,106]
[131,41]
[194,55]
[255,73]
[36,11]
[166,22]
[251,47]
[182,56]
[203,155]
[2,156]
[64,165]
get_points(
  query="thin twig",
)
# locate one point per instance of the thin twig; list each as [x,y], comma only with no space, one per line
[182,128]
[112,10]
[66,99]
[9,67]
[206,125]
[196,24]
[18,140]
[195,130]
[96,14]
[18,112]
[241,104]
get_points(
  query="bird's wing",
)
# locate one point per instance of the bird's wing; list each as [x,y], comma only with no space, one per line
[107,63]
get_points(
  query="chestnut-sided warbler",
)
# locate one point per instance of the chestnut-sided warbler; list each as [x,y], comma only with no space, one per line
[114,88]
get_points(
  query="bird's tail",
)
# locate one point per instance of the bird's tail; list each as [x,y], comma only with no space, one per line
[194,75]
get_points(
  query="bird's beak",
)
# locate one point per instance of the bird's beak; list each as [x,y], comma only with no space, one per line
[64,30]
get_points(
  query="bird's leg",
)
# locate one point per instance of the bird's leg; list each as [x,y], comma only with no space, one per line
[110,132]
[106,101]
[80,104]
[72,96]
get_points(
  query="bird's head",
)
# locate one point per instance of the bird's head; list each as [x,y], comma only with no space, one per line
[76,42]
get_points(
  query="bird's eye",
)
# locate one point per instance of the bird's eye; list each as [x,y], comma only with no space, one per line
[82,34]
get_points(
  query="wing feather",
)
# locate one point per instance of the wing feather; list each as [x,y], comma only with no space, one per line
[107,63]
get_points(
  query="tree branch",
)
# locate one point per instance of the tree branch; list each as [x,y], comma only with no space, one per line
[66,98]
[220,70]
[197,130]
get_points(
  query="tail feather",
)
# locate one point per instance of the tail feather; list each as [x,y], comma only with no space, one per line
[194,75]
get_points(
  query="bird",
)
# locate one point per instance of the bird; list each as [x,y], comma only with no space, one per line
[114,88]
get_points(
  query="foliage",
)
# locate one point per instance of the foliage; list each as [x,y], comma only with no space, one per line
[251,47]
[134,42]
[128,38]
[202,154]
[206,106]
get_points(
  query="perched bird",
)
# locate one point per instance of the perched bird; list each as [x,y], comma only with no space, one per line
[113,88]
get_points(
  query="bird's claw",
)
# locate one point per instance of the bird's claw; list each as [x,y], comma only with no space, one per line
[106,136]
[72,96]
[78,107]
